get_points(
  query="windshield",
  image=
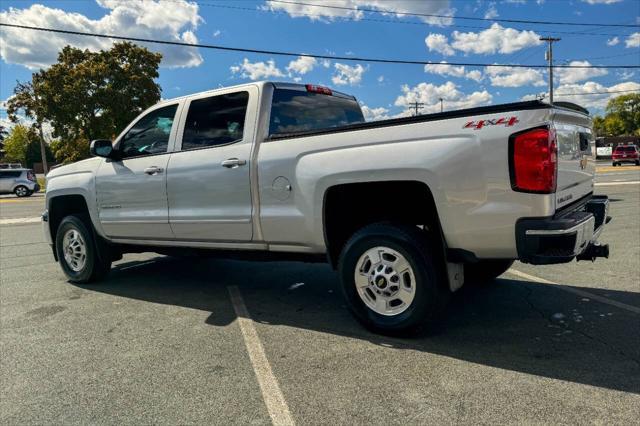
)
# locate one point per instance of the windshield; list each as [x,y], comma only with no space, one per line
[294,111]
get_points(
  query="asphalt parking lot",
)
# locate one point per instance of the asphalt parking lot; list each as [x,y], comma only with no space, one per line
[160,341]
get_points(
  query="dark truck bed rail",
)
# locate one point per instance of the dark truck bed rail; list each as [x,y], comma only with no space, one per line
[514,106]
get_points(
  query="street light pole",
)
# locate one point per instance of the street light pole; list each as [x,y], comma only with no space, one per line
[441,105]
[549,58]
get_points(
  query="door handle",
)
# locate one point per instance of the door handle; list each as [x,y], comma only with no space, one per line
[153,170]
[232,163]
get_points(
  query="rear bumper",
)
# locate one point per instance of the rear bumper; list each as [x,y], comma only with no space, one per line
[562,238]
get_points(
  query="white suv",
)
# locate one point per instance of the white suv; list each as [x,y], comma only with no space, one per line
[21,182]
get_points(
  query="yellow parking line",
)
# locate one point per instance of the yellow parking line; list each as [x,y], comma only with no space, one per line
[615,169]
[16,200]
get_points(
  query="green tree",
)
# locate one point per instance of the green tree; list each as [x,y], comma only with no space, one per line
[3,133]
[67,151]
[89,95]
[624,112]
[16,143]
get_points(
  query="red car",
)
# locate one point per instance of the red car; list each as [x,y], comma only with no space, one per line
[626,154]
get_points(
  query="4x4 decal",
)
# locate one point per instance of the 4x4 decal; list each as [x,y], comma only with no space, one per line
[477,125]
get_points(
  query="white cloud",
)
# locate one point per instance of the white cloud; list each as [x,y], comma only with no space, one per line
[454,71]
[575,75]
[514,77]
[374,114]
[492,12]
[217,33]
[257,70]
[302,65]
[430,95]
[326,63]
[380,78]
[439,43]
[582,94]
[148,19]
[613,41]
[626,75]
[601,1]
[494,39]
[346,74]
[313,9]
[633,40]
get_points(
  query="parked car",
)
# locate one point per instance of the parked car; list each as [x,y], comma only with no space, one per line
[406,209]
[626,154]
[21,182]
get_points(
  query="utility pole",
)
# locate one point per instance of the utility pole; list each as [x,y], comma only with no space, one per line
[549,57]
[417,106]
[441,105]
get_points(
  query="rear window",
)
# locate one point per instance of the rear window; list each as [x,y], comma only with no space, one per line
[294,111]
[625,149]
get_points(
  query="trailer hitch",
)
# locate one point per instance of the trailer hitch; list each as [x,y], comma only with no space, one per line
[594,250]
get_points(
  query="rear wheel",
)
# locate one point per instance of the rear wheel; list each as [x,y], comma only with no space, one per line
[486,270]
[22,191]
[83,257]
[391,279]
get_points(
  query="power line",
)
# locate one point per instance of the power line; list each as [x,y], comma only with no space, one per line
[598,93]
[635,52]
[471,18]
[296,54]
[387,21]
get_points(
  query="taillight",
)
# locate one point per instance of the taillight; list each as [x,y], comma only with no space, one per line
[318,89]
[31,176]
[534,161]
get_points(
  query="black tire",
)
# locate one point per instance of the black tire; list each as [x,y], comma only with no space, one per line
[431,289]
[638,163]
[98,258]
[613,164]
[21,191]
[486,270]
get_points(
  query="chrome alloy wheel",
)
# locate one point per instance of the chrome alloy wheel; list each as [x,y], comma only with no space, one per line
[21,191]
[385,281]
[75,250]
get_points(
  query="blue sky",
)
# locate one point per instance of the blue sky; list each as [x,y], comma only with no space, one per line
[385,89]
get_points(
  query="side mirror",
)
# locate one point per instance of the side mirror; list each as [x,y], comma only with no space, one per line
[101,148]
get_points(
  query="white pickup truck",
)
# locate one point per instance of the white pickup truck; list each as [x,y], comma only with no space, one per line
[406,209]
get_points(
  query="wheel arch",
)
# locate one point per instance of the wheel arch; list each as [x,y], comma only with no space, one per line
[348,207]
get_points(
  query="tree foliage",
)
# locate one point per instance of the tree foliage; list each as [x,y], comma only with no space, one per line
[22,145]
[89,95]
[622,117]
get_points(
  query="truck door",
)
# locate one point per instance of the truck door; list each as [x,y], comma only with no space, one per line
[131,192]
[208,179]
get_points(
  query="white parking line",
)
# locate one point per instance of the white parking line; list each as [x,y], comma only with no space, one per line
[271,393]
[581,293]
[633,182]
[20,220]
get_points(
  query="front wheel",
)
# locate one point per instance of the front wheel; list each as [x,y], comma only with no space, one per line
[83,258]
[391,278]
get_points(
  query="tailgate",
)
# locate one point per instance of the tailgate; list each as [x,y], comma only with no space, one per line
[576,156]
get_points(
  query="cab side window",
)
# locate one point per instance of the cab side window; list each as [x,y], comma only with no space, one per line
[218,120]
[150,135]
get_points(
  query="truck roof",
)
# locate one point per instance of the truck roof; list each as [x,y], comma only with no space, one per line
[260,84]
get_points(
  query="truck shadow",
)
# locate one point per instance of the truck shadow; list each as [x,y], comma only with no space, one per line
[509,324]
